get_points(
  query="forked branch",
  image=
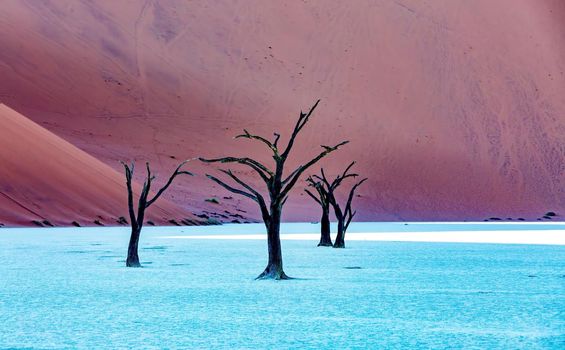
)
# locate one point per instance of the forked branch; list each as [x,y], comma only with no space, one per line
[143,202]
[322,197]
[302,120]
[313,196]
[291,180]
[176,173]
[252,194]
[271,145]
[259,168]
[230,188]
[348,212]
[129,175]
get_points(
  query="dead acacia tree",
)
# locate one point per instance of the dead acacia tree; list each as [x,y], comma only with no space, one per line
[278,187]
[322,199]
[345,215]
[136,220]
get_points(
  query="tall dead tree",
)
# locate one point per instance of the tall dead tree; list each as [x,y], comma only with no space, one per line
[278,187]
[322,199]
[345,215]
[136,220]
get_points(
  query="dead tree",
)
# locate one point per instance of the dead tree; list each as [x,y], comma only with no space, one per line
[136,220]
[322,199]
[278,187]
[343,216]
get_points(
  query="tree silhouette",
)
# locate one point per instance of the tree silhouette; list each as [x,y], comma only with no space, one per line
[343,216]
[278,187]
[322,199]
[136,221]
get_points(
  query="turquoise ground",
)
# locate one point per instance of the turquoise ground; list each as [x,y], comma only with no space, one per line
[69,289]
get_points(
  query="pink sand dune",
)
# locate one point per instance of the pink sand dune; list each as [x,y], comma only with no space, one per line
[45,178]
[455,109]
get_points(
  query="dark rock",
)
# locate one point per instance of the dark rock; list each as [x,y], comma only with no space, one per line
[190,222]
[212,221]
[47,223]
[174,222]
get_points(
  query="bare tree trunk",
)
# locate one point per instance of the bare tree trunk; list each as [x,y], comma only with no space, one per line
[340,238]
[325,238]
[278,186]
[144,202]
[343,216]
[133,257]
[274,269]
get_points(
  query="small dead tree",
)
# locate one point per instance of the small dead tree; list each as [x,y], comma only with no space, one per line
[278,187]
[343,216]
[136,220]
[322,199]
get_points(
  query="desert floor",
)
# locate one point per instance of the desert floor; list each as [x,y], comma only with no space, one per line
[68,288]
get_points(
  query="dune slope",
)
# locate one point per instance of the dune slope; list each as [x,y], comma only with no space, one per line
[455,109]
[48,181]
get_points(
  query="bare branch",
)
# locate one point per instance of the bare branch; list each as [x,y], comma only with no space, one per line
[302,120]
[284,201]
[293,178]
[259,198]
[322,193]
[277,137]
[343,176]
[302,168]
[348,167]
[321,178]
[352,192]
[262,170]
[129,174]
[239,181]
[230,188]
[313,197]
[143,196]
[349,200]
[169,182]
[350,217]
[272,146]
